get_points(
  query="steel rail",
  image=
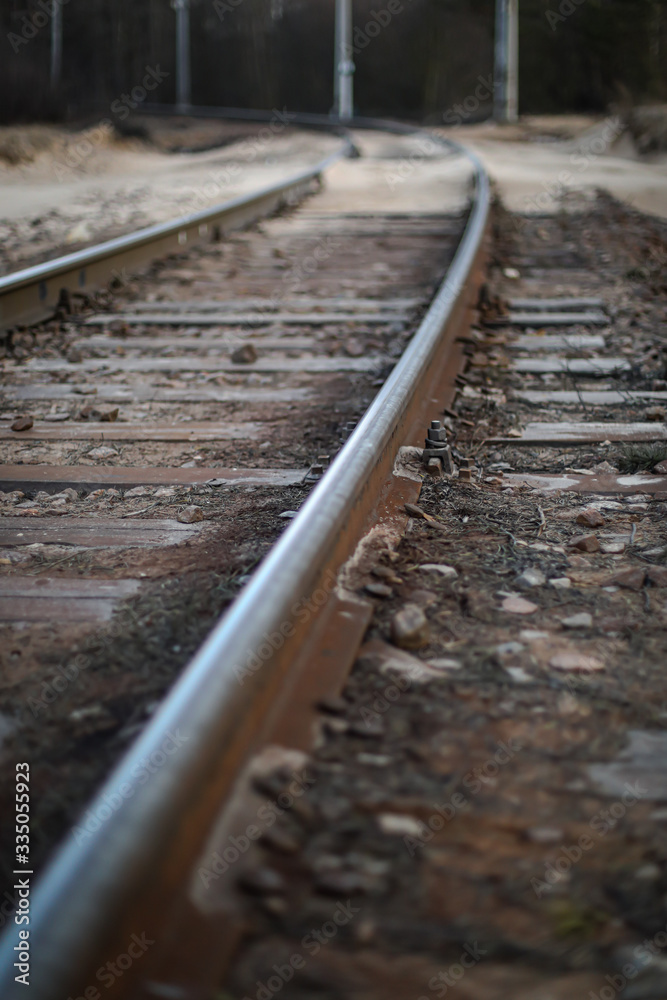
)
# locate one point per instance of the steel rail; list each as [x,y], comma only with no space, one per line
[84,897]
[32,294]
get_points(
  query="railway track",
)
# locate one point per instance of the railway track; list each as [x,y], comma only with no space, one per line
[425,747]
[154,410]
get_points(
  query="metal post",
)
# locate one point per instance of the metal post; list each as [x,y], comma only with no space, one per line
[56,45]
[183,96]
[506,75]
[343,62]
[513,61]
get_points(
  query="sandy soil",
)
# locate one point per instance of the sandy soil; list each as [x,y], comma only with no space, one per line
[63,190]
[541,161]
[80,188]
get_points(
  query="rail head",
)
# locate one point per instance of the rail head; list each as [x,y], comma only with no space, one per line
[87,887]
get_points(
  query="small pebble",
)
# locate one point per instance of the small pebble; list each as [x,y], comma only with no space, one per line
[560,583]
[545,834]
[409,627]
[531,578]
[585,543]
[378,590]
[190,514]
[22,424]
[631,578]
[354,348]
[582,620]
[590,518]
[518,674]
[245,355]
[448,572]
[444,663]
[612,548]
[649,872]
[397,824]
[102,452]
[575,661]
[68,494]
[335,726]
[519,606]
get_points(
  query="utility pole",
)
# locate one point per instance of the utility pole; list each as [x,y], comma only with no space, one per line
[506,75]
[56,45]
[343,62]
[183,95]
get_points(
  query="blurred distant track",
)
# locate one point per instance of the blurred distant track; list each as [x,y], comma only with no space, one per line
[34,293]
[136,874]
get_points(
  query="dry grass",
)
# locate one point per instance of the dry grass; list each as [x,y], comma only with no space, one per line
[641,457]
[23,145]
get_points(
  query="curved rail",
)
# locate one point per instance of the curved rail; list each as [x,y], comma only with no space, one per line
[88,890]
[30,295]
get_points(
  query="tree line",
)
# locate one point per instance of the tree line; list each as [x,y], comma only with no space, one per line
[429,60]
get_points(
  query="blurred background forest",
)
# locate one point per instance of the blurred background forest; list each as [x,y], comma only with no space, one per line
[586,55]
